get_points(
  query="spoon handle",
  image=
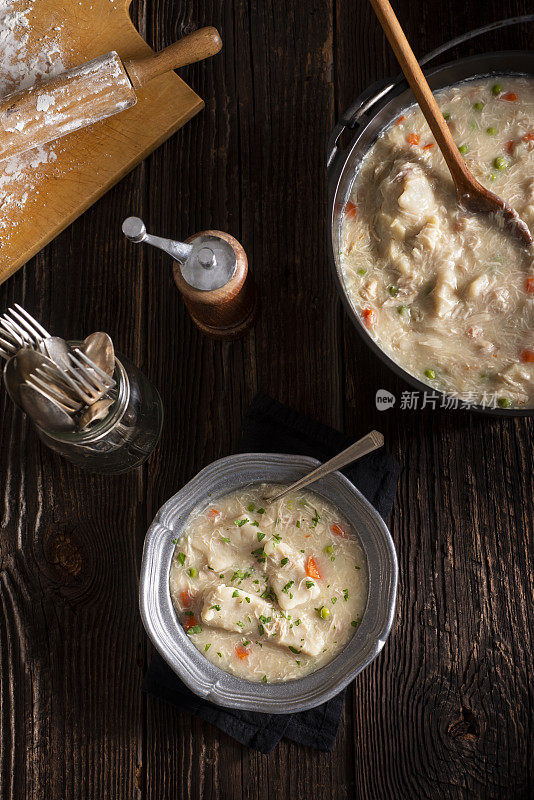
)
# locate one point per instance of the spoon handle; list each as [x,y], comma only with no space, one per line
[423,94]
[371,442]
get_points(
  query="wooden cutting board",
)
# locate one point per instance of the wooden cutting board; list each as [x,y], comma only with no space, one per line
[82,166]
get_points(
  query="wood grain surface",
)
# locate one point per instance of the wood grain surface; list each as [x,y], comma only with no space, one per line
[446,711]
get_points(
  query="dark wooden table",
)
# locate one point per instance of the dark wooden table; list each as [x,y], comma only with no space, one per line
[447,709]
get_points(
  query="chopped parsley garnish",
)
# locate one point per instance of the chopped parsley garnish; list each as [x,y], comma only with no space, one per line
[247,599]
[216,607]
[251,507]
[356,566]
[261,630]
[298,663]
[235,593]
[261,511]
[269,594]
[316,518]
[264,679]
[189,614]
[334,600]
[297,523]
[181,558]
[246,642]
[241,522]
[309,584]
[225,538]
[345,594]
[277,538]
[264,618]
[219,654]
[194,629]
[174,541]
[207,647]
[355,622]
[294,649]
[297,622]
[240,624]
[284,561]
[259,554]
[255,524]
[260,536]
[287,587]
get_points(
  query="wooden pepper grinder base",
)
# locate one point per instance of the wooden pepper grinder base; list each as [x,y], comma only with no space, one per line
[229,311]
[211,272]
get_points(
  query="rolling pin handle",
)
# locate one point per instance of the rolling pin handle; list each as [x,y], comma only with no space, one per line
[197,46]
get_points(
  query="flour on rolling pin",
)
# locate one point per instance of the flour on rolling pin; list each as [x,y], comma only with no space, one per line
[22,65]
[77,98]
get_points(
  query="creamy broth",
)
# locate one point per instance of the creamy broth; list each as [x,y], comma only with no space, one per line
[269,592]
[449,295]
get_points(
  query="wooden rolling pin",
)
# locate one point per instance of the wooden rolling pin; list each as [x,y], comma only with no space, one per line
[91,92]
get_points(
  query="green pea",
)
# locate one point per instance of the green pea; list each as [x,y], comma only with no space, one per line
[362,271]
[393,290]
[496,88]
[500,163]
[193,573]
[430,374]
[478,106]
[504,402]
[324,613]
[463,149]
[491,131]
[329,549]
[446,115]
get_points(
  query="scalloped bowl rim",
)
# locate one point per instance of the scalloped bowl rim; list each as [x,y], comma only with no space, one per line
[169,638]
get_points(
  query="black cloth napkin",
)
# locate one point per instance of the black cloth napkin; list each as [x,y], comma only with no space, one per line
[272,427]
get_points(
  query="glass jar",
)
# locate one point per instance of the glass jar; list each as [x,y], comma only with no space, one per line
[126,436]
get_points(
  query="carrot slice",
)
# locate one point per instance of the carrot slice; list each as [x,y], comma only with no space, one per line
[312,570]
[186,599]
[510,146]
[214,513]
[413,138]
[241,651]
[350,210]
[428,146]
[529,285]
[339,531]
[369,317]
[190,622]
[528,137]
[527,356]
[510,96]
[399,120]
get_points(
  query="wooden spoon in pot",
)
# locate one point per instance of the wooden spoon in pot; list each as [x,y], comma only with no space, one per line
[471,194]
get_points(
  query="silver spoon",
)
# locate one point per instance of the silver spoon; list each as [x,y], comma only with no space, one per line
[44,411]
[19,368]
[99,348]
[371,442]
[95,412]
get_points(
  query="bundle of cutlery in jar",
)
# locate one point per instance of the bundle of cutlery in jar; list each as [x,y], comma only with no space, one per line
[60,386]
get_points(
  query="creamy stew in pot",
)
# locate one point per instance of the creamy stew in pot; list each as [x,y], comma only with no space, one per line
[269,592]
[449,295]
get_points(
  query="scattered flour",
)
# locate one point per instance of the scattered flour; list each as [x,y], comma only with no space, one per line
[21,65]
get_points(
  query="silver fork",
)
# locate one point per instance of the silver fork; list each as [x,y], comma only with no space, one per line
[81,381]
[19,329]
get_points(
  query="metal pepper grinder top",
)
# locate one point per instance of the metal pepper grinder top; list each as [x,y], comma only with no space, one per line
[211,272]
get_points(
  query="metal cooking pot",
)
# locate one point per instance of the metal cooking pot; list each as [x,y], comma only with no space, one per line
[375,110]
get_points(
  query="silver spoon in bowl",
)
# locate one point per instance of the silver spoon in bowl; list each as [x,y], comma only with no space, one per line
[371,442]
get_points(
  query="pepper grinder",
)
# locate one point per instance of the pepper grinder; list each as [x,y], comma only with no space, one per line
[211,272]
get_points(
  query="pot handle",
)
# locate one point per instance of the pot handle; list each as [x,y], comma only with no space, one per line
[379,89]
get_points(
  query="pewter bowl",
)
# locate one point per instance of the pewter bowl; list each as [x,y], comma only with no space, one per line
[170,639]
